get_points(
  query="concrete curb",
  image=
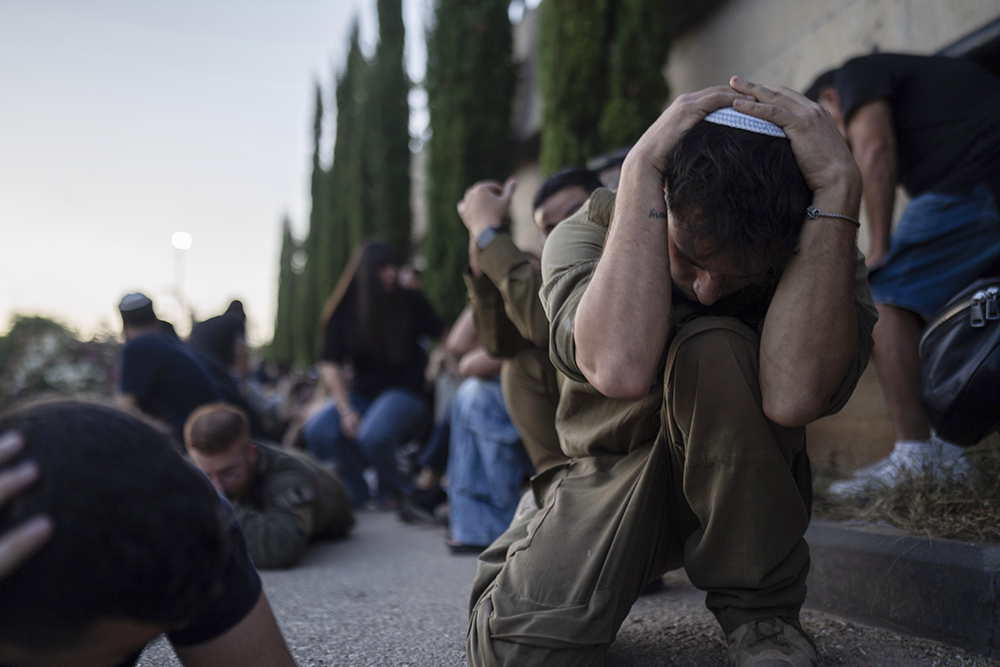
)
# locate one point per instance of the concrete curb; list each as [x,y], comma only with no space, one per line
[939,589]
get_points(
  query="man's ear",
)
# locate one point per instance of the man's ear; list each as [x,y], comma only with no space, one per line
[829,98]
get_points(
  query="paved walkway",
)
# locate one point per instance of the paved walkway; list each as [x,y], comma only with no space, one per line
[392,595]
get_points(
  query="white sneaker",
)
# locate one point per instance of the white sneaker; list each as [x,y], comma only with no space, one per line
[941,460]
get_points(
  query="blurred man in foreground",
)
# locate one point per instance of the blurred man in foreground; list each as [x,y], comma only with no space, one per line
[140,544]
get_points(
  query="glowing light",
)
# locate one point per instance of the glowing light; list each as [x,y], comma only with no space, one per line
[181,240]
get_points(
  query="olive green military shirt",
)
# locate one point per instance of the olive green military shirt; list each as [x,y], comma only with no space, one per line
[506,310]
[588,422]
[292,501]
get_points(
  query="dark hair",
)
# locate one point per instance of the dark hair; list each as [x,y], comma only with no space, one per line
[574,176]
[214,427]
[737,193]
[381,316]
[824,80]
[139,532]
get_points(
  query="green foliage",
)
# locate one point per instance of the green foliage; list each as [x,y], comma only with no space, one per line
[39,355]
[470,81]
[600,75]
[350,203]
[388,135]
[282,347]
[310,287]
[572,78]
[637,89]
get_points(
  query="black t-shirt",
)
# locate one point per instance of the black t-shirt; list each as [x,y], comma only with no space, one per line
[240,589]
[347,342]
[945,112]
[166,379]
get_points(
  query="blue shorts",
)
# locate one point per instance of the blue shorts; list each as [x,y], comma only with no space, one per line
[943,242]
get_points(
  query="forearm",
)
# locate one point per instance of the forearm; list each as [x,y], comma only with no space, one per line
[872,138]
[518,282]
[479,364]
[255,641]
[333,379]
[462,337]
[878,170]
[809,340]
[275,538]
[622,320]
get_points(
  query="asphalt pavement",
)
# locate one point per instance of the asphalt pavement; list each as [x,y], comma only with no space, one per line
[393,595]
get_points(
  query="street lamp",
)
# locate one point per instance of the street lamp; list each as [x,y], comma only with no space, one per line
[181,241]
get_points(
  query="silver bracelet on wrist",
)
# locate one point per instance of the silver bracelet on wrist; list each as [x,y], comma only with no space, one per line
[812,213]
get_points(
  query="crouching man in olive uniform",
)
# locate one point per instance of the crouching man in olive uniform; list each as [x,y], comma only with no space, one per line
[283,499]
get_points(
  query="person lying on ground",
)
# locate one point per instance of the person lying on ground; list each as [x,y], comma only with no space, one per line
[283,499]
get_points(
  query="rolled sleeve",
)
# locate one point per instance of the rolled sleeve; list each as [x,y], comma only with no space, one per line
[568,261]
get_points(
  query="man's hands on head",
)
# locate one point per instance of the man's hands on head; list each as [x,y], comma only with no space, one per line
[683,113]
[485,204]
[820,150]
[809,341]
[17,545]
[618,336]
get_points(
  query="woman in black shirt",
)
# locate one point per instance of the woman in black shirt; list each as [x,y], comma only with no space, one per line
[373,363]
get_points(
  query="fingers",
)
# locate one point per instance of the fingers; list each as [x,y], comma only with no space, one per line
[781,106]
[10,445]
[17,479]
[508,189]
[19,544]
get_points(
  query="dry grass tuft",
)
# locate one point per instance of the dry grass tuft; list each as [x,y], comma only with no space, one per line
[969,510]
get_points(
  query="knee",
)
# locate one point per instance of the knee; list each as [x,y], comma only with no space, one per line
[715,350]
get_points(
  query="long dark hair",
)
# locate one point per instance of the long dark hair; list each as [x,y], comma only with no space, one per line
[379,311]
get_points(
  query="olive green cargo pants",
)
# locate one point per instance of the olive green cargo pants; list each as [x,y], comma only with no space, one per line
[722,490]
[530,386]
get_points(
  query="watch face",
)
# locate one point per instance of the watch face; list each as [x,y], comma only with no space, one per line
[486,236]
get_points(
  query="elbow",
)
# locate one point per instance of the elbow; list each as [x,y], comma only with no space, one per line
[794,409]
[268,560]
[618,381]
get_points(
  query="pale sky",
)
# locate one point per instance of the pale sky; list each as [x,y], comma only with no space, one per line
[125,121]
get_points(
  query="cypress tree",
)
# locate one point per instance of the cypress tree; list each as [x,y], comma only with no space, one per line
[470,79]
[347,200]
[388,134]
[282,349]
[572,78]
[309,294]
[351,163]
[637,90]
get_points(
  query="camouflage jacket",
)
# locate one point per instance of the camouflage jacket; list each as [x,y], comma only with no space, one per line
[292,501]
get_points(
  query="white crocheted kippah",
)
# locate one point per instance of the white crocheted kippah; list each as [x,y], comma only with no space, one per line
[741,121]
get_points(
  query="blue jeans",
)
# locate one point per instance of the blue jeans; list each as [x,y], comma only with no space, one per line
[486,464]
[942,243]
[386,422]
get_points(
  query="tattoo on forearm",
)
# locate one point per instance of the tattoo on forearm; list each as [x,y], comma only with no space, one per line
[657,215]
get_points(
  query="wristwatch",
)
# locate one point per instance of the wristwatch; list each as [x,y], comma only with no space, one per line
[486,237]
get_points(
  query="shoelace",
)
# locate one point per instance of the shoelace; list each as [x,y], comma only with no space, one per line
[774,633]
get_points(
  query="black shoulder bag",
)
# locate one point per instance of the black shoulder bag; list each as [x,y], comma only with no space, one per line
[960,354]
